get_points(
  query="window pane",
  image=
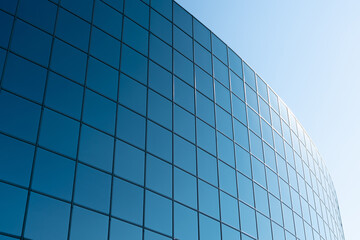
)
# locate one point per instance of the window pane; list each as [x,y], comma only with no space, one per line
[134,64]
[83,8]
[184,155]
[139,11]
[222,96]
[73,30]
[183,43]
[184,123]
[251,98]
[16,160]
[47,218]
[227,179]
[185,188]
[273,185]
[132,94]
[102,78]
[129,162]
[7,23]
[182,19]
[160,109]
[239,109]
[185,223]
[241,134]
[120,229]
[202,34]
[96,148]
[105,47]
[24,78]
[229,210]
[160,52]
[92,188]
[158,213]
[31,43]
[12,208]
[87,224]
[266,131]
[68,100]
[184,95]
[258,171]
[262,88]
[245,188]
[256,146]
[127,201]
[243,163]
[68,61]
[219,48]
[160,80]
[204,83]
[221,72]
[275,209]
[99,112]
[160,26]
[206,137]
[108,19]
[158,175]
[235,63]
[164,7]
[131,127]
[229,233]
[247,220]
[254,121]
[237,86]
[269,157]
[209,228]
[207,167]
[205,108]
[249,76]
[19,117]
[223,122]
[203,58]
[208,199]
[53,175]
[183,68]
[264,227]
[63,140]
[261,200]
[159,141]
[225,149]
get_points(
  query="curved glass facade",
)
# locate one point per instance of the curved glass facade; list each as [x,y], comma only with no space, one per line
[132,120]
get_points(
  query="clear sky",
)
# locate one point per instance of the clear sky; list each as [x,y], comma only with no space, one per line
[308,51]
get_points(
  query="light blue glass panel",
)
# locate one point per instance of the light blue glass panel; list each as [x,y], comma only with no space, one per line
[185,188]
[235,63]
[160,109]
[184,155]
[229,210]
[159,141]
[221,72]
[245,189]
[227,179]
[230,233]
[206,137]
[202,34]
[258,171]
[209,228]
[158,175]
[261,200]
[205,109]
[185,223]
[160,80]
[120,229]
[207,167]
[225,149]
[256,146]
[184,123]
[264,227]
[241,134]
[249,76]
[237,86]
[204,83]
[223,122]
[247,220]
[208,199]
[243,162]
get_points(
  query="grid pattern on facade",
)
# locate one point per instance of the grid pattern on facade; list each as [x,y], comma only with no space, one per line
[132,119]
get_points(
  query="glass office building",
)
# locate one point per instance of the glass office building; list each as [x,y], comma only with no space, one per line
[132,120]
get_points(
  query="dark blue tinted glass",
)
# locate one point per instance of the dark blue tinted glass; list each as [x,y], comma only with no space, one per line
[63,140]
[129,162]
[164,7]
[158,175]
[79,32]
[160,109]
[135,36]
[68,61]
[47,218]
[31,43]
[81,8]
[222,96]
[160,52]
[98,195]
[223,122]
[184,95]
[138,11]
[160,80]
[96,148]
[182,19]
[204,83]
[12,208]
[225,149]
[185,188]
[132,94]
[102,78]
[158,213]
[40,13]
[68,100]
[117,4]
[16,160]
[183,43]
[99,112]
[219,49]
[206,137]
[120,229]
[205,109]
[6,26]
[203,58]
[184,154]
[160,26]
[127,201]
[221,72]
[9,6]
[185,223]
[134,64]
[131,127]
[53,174]
[105,47]
[108,19]
[184,123]
[202,34]
[159,141]
[207,167]
[20,117]
[183,68]
[88,224]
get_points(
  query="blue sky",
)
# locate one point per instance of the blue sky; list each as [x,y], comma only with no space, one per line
[309,53]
